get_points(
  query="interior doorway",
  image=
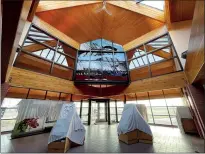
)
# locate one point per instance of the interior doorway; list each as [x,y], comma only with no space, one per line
[99,111]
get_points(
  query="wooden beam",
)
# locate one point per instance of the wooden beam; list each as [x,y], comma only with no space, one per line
[140,8]
[32,11]
[195,55]
[173,80]
[14,18]
[160,53]
[51,5]
[53,31]
[37,47]
[33,80]
[144,38]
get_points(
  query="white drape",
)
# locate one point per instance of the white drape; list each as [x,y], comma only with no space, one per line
[68,125]
[131,119]
[31,108]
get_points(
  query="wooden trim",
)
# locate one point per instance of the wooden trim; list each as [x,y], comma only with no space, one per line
[145,38]
[32,11]
[53,31]
[51,5]
[140,8]
[33,80]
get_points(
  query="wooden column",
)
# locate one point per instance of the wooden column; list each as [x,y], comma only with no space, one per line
[4,90]
[14,18]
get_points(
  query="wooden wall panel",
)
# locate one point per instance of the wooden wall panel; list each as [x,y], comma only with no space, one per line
[180,35]
[36,94]
[34,80]
[146,37]
[52,95]
[195,55]
[173,80]
[15,92]
[32,63]
[181,10]
[156,69]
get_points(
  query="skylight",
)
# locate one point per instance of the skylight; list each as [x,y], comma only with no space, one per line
[155,4]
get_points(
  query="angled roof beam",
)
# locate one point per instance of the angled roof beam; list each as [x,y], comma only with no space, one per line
[37,47]
[141,9]
[51,5]
[159,53]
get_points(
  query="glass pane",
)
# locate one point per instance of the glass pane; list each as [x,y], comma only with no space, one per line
[117,47]
[155,4]
[131,66]
[10,102]
[119,57]
[7,125]
[106,45]
[96,56]
[174,120]
[172,110]
[160,111]
[96,44]
[83,55]
[85,46]
[107,56]
[175,102]
[119,117]
[164,120]
[83,65]
[146,102]
[158,43]
[150,119]
[158,102]
[8,113]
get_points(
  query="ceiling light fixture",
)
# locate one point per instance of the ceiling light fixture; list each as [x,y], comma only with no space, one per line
[104,8]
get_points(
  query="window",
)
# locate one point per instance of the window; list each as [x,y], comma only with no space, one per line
[153,58]
[9,113]
[155,4]
[46,54]
[101,61]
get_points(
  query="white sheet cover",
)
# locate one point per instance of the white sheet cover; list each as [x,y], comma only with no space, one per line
[68,125]
[131,119]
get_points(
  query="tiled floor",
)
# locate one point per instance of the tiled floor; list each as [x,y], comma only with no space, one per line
[103,138]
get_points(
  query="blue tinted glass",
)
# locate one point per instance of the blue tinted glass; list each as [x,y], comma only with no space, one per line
[119,56]
[96,44]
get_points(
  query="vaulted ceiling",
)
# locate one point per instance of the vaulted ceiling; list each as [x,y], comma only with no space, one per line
[82,23]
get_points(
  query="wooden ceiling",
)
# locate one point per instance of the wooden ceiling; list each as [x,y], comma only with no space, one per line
[83,24]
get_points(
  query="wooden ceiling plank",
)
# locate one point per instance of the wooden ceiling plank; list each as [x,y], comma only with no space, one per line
[141,9]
